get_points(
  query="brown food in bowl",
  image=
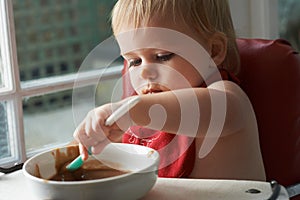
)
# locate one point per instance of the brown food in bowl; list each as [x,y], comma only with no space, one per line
[90,170]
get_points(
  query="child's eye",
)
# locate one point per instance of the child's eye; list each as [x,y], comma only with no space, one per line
[164,57]
[135,62]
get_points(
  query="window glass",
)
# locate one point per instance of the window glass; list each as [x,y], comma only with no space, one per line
[289,20]
[48,120]
[53,37]
[4,138]
[51,119]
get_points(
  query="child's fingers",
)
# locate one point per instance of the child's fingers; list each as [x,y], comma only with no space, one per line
[94,126]
[100,146]
[87,141]
[83,152]
[78,131]
[82,137]
[97,135]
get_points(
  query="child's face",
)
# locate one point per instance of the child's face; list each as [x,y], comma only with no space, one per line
[159,61]
[155,70]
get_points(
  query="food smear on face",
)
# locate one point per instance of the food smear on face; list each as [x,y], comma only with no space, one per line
[90,170]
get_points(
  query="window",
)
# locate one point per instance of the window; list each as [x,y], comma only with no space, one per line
[255,18]
[43,44]
[268,19]
[289,19]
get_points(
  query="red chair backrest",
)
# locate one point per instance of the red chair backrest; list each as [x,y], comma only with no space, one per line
[270,75]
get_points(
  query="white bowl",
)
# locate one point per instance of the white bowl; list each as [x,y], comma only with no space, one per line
[141,161]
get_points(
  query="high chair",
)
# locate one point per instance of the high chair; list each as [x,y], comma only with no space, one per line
[270,76]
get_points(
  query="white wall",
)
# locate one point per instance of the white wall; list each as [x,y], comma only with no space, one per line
[255,18]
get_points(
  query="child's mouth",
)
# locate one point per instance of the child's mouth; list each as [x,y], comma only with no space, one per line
[151,91]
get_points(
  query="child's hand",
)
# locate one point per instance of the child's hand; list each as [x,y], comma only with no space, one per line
[93,133]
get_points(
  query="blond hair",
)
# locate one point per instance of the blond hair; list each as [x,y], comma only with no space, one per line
[204,17]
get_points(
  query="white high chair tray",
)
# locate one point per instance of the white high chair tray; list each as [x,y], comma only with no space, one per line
[13,186]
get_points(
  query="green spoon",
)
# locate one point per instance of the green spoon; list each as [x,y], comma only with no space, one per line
[77,162]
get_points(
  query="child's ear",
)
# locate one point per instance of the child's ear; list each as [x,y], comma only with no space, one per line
[218,48]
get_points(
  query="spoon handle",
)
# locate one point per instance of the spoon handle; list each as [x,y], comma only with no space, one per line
[124,108]
[77,162]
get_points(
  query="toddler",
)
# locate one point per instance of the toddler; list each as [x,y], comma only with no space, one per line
[181,59]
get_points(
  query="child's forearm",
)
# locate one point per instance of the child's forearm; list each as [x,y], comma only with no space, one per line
[191,111]
[176,111]
[157,111]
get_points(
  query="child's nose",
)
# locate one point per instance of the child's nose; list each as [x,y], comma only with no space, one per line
[149,73]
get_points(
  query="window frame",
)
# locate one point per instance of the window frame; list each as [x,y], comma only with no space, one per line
[10,91]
